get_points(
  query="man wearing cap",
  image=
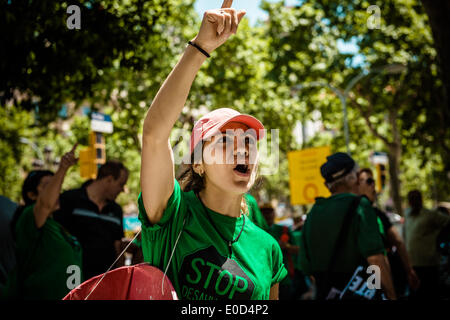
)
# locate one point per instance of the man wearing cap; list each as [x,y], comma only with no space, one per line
[362,243]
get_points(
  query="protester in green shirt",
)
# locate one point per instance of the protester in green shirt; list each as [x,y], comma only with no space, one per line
[320,231]
[48,257]
[296,232]
[301,284]
[283,235]
[197,229]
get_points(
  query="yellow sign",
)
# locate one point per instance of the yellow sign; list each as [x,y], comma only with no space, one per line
[305,181]
[88,168]
[92,156]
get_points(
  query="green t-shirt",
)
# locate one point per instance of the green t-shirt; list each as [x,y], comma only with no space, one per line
[382,233]
[202,267]
[254,213]
[45,258]
[296,240]
[277,231]
[321,230]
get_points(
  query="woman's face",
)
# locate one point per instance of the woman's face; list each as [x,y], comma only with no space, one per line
[366,186]
[230,159]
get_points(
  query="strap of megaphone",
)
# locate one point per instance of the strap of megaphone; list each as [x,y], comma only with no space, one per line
[171,255]
[120,255]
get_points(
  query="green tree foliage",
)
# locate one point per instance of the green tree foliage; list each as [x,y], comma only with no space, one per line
[114,63]
[43,63]
[117,66]
[14,125]
[438,12]
[398,110]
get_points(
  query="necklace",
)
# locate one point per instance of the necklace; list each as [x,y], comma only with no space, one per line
[229,242]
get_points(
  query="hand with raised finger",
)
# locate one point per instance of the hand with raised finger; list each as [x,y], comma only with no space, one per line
[68,159]
[217,26]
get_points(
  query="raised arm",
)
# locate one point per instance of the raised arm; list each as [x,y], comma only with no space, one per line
[157,165]
[386,278]
[395,239]
[47,200]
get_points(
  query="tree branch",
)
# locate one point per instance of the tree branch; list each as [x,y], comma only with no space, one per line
[366,116]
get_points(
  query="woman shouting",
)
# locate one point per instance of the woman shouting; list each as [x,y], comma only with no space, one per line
[197,229]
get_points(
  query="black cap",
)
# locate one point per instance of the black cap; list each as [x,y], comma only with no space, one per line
[337,166]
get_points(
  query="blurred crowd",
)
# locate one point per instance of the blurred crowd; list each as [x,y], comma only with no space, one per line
[50,232]
[348,230]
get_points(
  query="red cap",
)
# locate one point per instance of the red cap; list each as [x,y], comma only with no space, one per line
[211,123]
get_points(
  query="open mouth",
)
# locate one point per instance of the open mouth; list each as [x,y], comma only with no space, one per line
[242,168]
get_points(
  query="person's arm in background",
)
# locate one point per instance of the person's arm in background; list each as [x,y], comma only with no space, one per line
[371,245]
[286,243]
[47,200]
[292,249]
[395,239]
[274,292]
[440,220]
[386,279]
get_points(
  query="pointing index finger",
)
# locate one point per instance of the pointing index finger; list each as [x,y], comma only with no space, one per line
[227,3]
[74,147]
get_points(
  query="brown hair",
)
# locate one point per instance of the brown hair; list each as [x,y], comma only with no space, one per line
[111,168]
[187,177]
[415,201]
[365,170]
[190,180]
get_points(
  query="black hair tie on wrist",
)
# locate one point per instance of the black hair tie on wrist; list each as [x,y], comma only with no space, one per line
[199,49]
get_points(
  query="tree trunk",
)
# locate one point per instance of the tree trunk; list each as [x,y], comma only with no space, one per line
[394,156]
[438,12]
[394,181]
[394,149]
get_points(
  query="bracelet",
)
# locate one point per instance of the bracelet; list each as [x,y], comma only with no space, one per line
[199,49]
